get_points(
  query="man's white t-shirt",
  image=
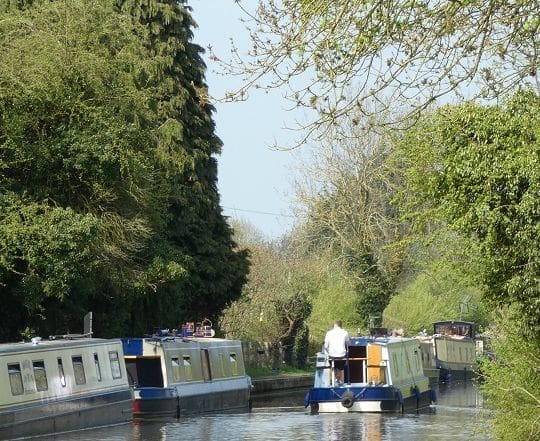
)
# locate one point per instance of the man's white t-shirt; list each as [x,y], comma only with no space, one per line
[336,341]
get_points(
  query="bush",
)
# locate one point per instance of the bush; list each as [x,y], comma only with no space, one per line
[511,380]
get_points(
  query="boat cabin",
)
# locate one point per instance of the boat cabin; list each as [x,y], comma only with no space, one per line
[174,375]
[382,374]
[454,329]
[50,386]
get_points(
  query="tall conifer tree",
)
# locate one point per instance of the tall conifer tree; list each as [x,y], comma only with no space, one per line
[194,231]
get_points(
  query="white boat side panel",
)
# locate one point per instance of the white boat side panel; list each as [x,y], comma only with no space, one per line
[48,353]
[358,406]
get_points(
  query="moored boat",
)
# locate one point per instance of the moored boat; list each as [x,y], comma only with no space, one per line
[382,374]
[175,375]
[61,384]
[450,351]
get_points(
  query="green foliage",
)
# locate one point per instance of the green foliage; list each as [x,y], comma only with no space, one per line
[472,176]
[511,379]
[284,369]
[476,171]
[276,300]
[301,347]
[108,198]
[437,293]
[194,228]
[336,299]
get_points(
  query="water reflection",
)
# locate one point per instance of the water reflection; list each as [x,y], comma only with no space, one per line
[458,415]
[366,427]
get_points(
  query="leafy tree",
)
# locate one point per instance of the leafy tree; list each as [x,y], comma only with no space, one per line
[194,230]
[338,56]
[336,299]
[275,302]
[75,170]
[108,187]
[439,292]
[475,170]
[346,195]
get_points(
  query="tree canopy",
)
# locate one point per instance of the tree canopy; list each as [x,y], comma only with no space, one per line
[476,170]
[108,197]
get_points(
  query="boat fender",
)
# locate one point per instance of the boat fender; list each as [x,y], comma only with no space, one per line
[347,400]
[433,396]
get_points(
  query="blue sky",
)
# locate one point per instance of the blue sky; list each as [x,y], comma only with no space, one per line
[255,182]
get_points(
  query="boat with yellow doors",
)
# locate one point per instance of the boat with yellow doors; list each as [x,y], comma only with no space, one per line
[382,374]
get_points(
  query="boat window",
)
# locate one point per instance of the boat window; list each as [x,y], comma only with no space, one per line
[187,368]
[40,376]
[396,365]
[115,364]
[234,363]
[175,363]
[15,379]
[78,370]
[61,372]
[205,361]
[98,368]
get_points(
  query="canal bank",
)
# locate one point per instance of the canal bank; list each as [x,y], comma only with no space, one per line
[280,391]
[278,383]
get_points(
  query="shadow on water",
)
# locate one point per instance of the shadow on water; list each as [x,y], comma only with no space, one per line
[291,398]
[458,415]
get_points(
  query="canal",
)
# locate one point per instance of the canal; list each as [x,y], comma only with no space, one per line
[458,415]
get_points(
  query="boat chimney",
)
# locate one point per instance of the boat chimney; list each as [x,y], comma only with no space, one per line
[88,324]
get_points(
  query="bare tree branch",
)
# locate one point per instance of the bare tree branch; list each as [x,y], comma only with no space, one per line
[335,56]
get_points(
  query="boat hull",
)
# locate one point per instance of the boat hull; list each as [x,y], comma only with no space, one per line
[366,399]
[231,395]
[75,413]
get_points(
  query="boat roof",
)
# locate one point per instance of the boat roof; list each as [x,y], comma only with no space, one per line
[383,341]
[134,345]
[24,346]
[453,322]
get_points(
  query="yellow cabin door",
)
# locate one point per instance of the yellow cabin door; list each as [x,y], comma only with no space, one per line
[375,372]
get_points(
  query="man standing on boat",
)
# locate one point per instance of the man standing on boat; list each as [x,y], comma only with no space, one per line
[335,344]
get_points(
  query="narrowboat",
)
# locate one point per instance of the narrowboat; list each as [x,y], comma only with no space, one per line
[61,384]
[382,374]
[175,375]
[451,350]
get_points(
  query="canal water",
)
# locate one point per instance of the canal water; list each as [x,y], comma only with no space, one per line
[458,415]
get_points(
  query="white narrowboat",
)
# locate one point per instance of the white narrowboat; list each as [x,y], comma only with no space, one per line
[175,375]
[62,384]
[382,374]
[451,350]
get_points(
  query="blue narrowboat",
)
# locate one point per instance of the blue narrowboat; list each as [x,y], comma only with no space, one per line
[382,374]
[176,375]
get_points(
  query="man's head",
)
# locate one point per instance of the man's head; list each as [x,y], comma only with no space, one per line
[338,323]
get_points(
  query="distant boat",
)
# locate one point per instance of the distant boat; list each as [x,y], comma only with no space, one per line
[382,374]
[450,351]
[65,383]
[174,375]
